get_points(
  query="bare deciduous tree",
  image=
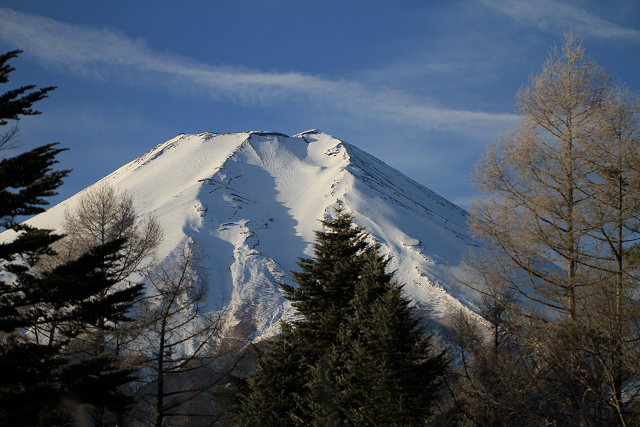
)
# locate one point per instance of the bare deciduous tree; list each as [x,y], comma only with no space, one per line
[560,206]
[185,350]
[102,216]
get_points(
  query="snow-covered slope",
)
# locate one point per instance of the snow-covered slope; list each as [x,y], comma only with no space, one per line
[253,200]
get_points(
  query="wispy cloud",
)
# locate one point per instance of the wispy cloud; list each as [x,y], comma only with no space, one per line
[107,54]
[559,17]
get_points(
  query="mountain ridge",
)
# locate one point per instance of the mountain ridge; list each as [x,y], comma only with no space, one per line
[254,199]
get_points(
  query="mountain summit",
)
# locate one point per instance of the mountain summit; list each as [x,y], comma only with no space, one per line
[252,200]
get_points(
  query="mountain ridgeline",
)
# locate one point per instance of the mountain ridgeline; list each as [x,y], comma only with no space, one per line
[252,201]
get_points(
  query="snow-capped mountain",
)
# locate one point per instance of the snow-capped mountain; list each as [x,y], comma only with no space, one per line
[253,200]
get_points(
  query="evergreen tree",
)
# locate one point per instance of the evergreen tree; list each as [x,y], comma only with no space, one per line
[327,282]
[380,371]
[39,385]
[38,376]
[325,287]
[16,102]
[359,359]
[277,385]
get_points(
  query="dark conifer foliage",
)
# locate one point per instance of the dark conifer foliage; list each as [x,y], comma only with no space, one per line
[277,386]
[41,383]
[325,287]
[327,282]
[380,371]
[17,102]
[24,181]
[360,358]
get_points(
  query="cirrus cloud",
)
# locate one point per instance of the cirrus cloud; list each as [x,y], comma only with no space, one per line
[107,54]
[558,17]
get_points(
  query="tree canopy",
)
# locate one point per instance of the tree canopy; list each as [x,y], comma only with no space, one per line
[40,384]
[360,356]
[559,213]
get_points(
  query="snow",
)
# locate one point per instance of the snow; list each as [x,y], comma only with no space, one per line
[252,200]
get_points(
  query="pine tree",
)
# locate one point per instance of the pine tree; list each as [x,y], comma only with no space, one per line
[37,379]
[359,358]
[16,102]
[38,374]
[325,287]
[277,385]
[327,282]
[380,372]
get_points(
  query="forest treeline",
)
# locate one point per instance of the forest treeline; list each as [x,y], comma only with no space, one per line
[553,338]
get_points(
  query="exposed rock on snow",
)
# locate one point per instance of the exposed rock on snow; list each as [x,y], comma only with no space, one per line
[253,200]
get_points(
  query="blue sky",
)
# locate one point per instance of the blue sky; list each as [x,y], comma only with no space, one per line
[422,85]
